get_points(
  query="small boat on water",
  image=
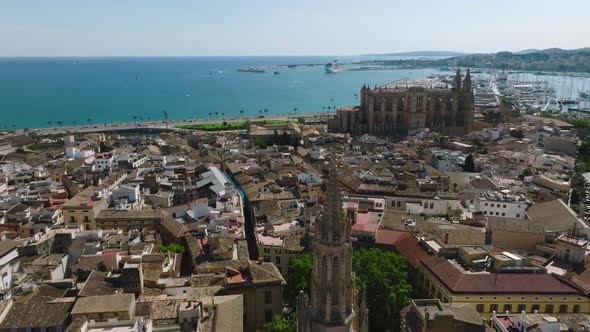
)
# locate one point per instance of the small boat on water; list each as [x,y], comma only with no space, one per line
[251,70]
[585,94]
[332,67]
[276,73]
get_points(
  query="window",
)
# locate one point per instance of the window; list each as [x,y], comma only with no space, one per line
[486,204]
[508,307]
[72,219]
[504,206]
[419,103]
[503,214]
[549,308]
[485,212]
[267,297]
[479,307]
[493,307]
[431,206]
[563,308]
[536,308]
[86,219]
[576,309]
[497,213]
[278,260]
[518,215]
[521,308]
[268,316]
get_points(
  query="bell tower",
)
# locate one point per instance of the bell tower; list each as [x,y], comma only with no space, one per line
[331,282]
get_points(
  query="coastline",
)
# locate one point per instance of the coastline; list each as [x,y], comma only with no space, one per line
[161,124]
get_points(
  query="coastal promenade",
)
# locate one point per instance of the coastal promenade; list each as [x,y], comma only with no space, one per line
[163,126]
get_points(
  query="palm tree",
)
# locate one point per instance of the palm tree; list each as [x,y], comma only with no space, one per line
[49,123]
[323,109]
[241,112]
[223,115]
[295,110]
[59,123]
[216,113]
[260,112]
[210,114]
[135,119]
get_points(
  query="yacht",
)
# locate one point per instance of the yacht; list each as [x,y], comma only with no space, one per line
[332,67]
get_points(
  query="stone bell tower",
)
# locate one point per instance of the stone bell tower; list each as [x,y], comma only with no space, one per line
[331,305]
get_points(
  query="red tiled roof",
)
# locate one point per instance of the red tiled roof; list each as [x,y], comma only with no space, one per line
[409,247]
[460,282]
[385,236]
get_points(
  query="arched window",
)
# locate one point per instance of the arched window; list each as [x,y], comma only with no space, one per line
[336,278]
[324,278]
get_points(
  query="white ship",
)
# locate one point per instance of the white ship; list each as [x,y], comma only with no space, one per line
[332,67]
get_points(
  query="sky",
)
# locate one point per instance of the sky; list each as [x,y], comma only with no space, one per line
[286,27]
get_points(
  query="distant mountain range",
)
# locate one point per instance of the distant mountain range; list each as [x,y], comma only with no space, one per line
[421,54]
[551,60]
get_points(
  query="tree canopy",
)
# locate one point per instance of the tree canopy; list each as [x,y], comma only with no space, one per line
[299,278]
[380,274]
[173,247]
[279,324]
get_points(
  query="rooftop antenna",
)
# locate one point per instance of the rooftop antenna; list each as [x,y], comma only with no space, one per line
[165,117]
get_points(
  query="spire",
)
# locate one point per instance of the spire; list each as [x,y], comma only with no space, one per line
[364,314]
[331,227]
[457,80]
[467,82]
[303,318]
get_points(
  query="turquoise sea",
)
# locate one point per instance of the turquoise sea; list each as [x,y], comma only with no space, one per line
[40,92]
[36,91]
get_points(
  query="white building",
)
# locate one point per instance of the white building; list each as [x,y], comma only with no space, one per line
[447,161]
[309,177]
[104,161]
[131,193]
[75,153]
[500,204]
[132,160]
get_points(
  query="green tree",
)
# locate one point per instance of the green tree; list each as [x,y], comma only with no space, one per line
[261,142]
[280,325]
[299,278]
[528,171]
[173,247]
[382,276]
[379,273]
[469,164]
[517,133]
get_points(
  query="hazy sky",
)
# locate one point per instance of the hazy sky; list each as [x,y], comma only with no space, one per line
[286,27]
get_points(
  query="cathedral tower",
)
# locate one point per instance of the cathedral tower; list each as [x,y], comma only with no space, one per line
[331,307]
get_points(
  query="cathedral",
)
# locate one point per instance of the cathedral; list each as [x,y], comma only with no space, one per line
[330,307]
[439,105]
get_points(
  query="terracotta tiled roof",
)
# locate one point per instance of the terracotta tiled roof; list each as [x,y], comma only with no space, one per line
[387,237]
[460,282]
[409,247]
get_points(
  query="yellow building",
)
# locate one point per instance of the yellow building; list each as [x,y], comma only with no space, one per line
[500,292]
[83,208]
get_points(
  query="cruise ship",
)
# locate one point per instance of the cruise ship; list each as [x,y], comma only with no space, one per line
[332,67]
